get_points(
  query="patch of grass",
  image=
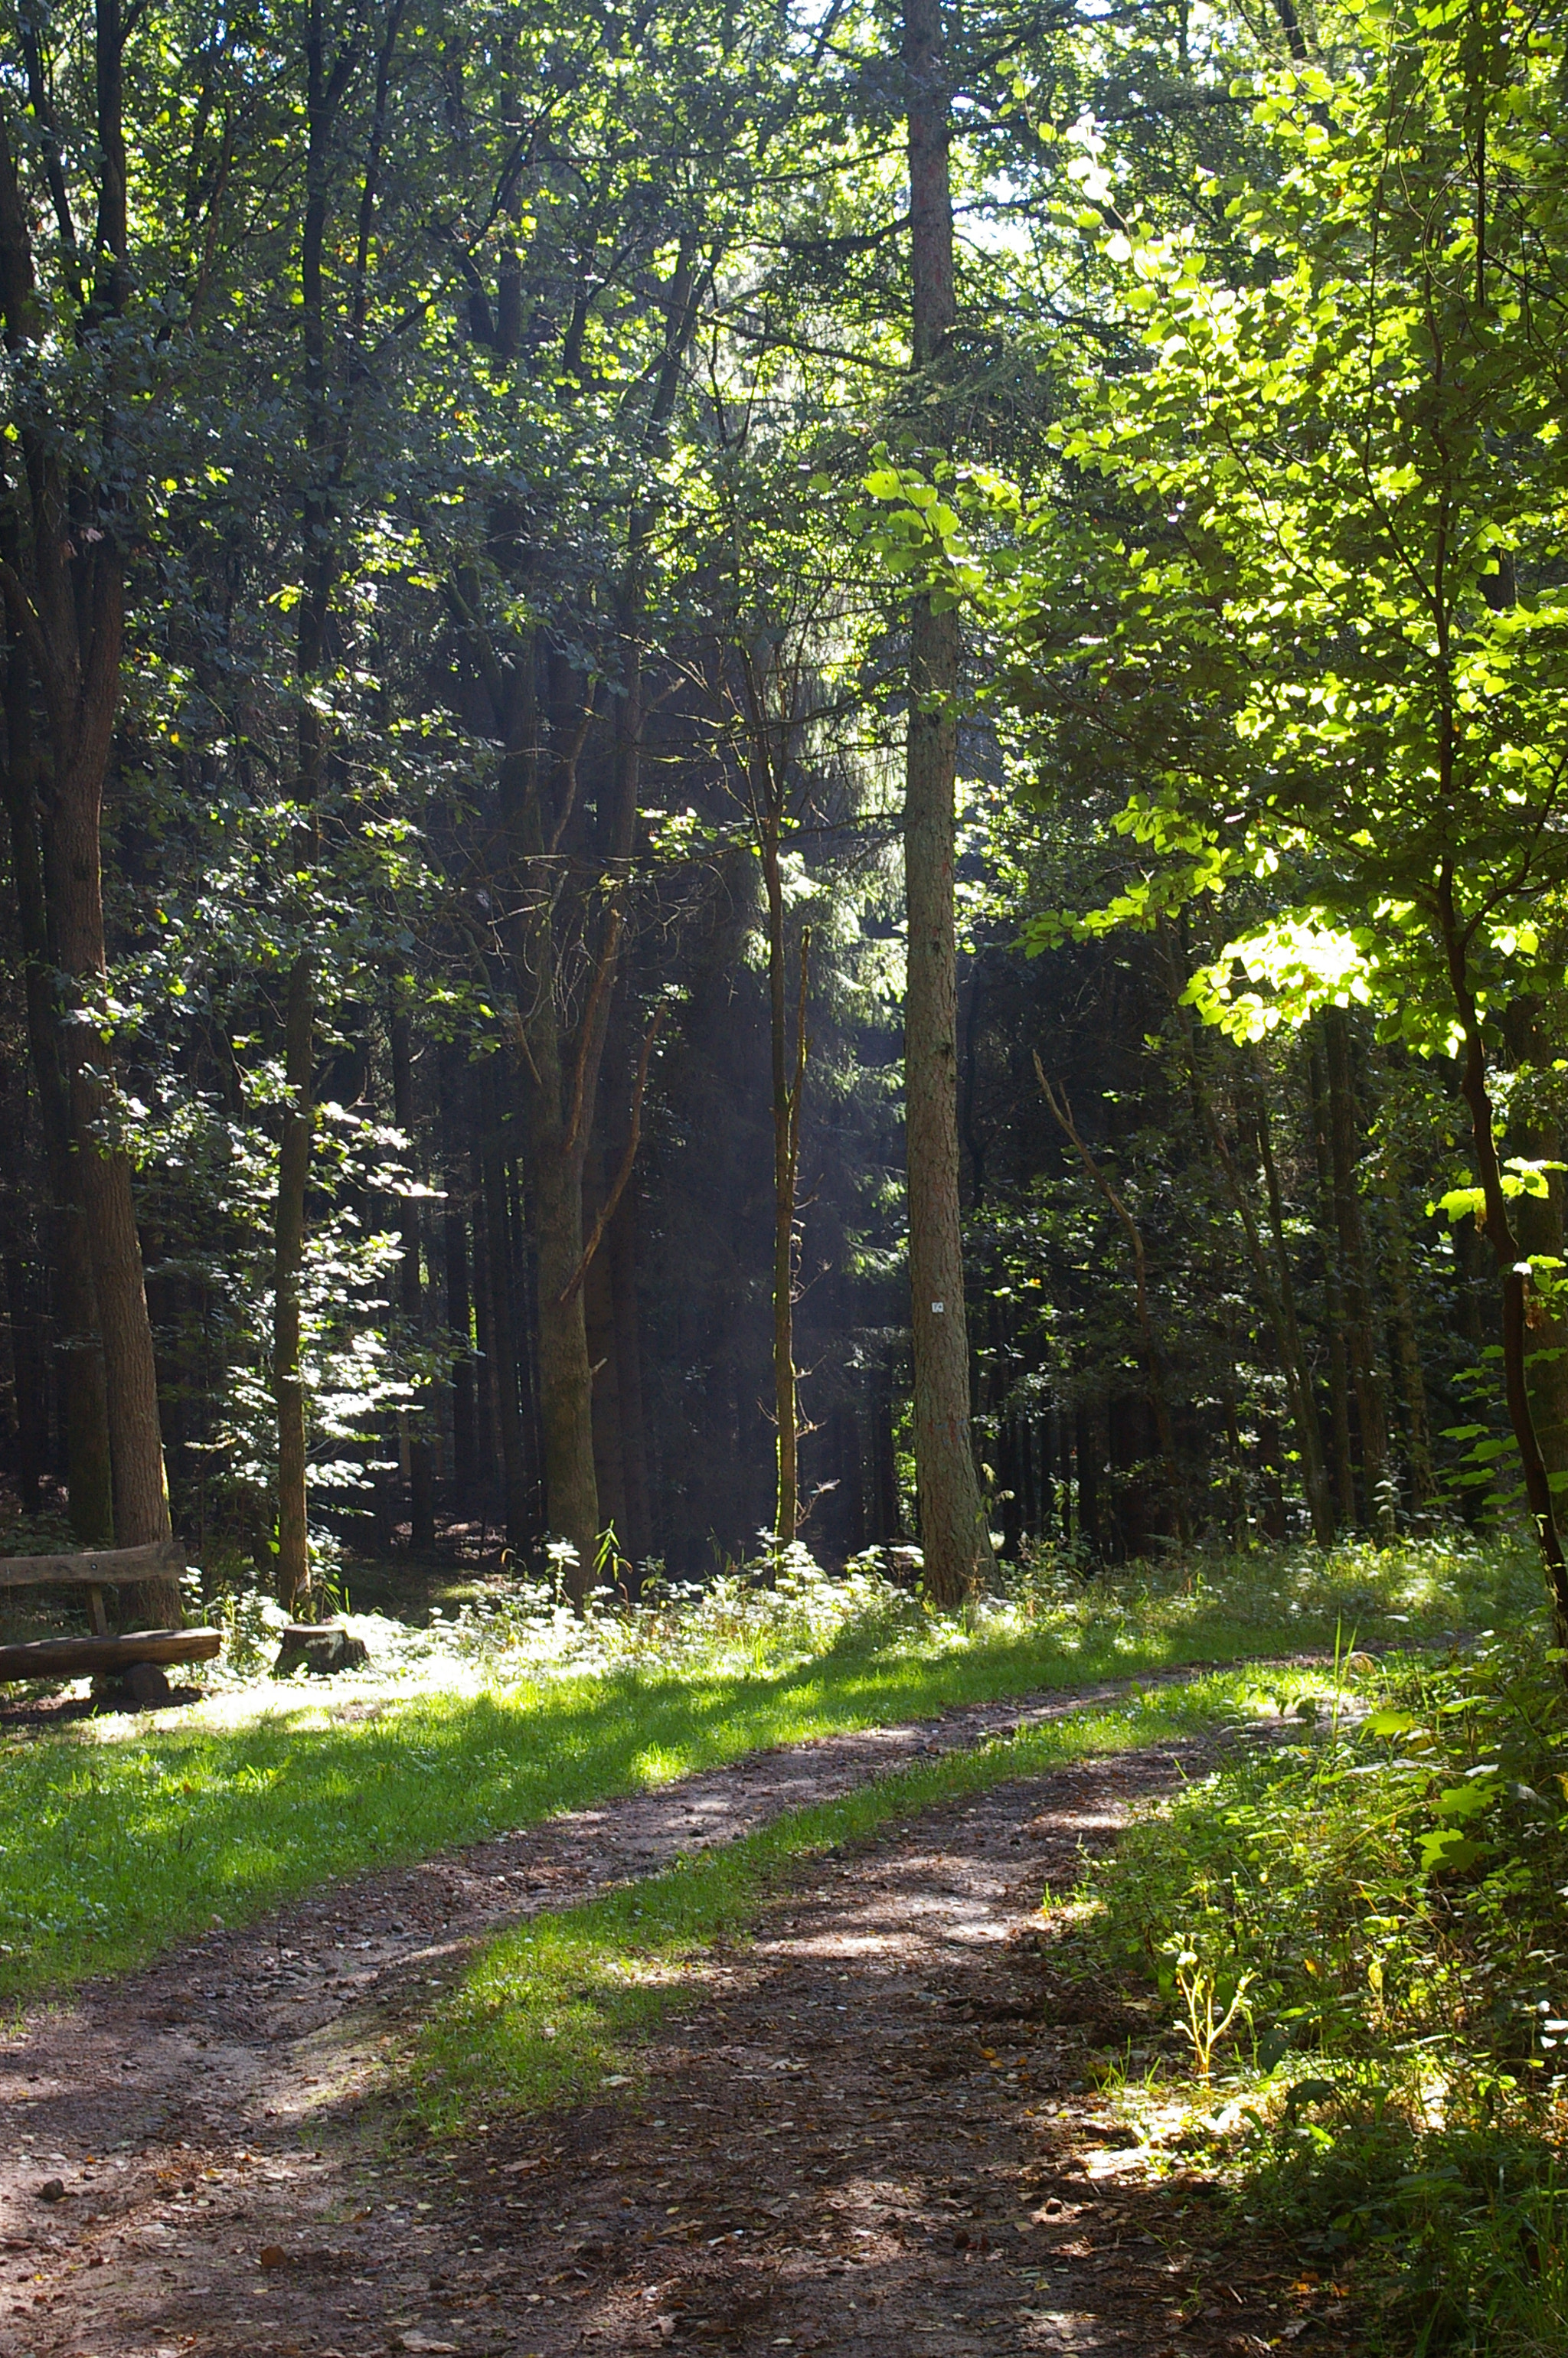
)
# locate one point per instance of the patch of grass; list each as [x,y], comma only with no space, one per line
[118,1838]
[551,2011]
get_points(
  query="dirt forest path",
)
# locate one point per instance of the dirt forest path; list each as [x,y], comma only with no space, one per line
[871,2134]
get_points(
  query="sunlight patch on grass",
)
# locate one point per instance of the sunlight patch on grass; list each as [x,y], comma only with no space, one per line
[120,1837]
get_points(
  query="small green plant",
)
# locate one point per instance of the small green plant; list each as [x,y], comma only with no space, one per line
[1200,2022]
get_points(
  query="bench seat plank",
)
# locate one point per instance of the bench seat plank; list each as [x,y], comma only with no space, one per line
[78,1658]
[106,1568]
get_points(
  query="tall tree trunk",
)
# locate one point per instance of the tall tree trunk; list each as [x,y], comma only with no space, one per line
[1009,1487]
[1287,1331]
[1315,1476]
[319,546]
[26,1379]
[622,1247]
[599,1316]
[135,1450]
[292,1570]
[1338,1357]
[1407,1342]
[1345,1142]
[505,1392]
[1539,1225]
[72,865]
[1513,1273]
[1085,1453]
[788,1074]
[460,1327]
[769,696]
[487,1418]
[84,1391]
[558,1076]
[1033,1514]
[1154,1357]
[885,1478]
[410,1289]
[954,1536]
[566,1376]
[64,584]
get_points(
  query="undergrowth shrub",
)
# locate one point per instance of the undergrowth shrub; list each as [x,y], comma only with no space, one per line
[781,1607]
[1386,1894]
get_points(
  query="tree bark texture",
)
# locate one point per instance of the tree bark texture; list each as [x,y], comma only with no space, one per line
[1407,1341]
[1334,1296]
[1287,1334]
[64,584]
[556,1070]
[599,1314]
[487,1424]
[410,1289]
[1344,1144]
[1154,1357]
[1314,1474]
[637,1538]
[954,1536]
[1539,1226]
[292,1574]
[82,1387]
[1513,1272]
[459,1328]
[502,1325]
[324,88]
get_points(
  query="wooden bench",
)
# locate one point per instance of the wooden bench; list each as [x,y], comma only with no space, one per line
[136,1660]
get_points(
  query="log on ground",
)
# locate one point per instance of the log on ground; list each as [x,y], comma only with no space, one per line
[77,1658]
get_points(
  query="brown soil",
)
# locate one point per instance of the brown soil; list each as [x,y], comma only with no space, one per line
[874,2132]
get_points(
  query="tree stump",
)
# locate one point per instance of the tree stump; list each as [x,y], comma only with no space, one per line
[320,1648]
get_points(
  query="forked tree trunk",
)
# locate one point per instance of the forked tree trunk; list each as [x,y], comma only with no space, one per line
[954,1536]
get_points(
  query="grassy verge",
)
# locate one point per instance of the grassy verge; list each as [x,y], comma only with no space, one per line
[1384,1903]
[551,2011]
[117,1838]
